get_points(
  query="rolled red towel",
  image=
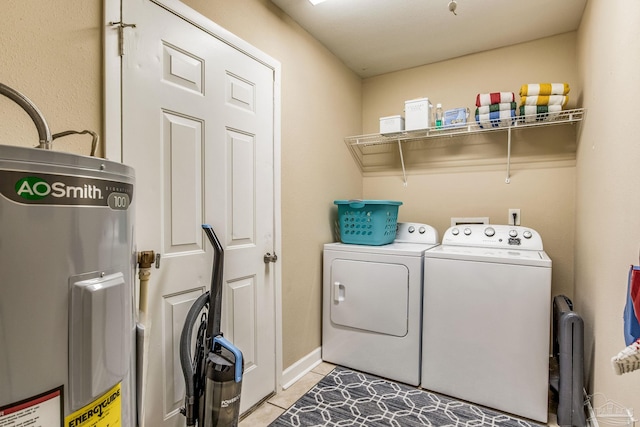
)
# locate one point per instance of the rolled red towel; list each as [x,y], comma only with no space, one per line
[494,98]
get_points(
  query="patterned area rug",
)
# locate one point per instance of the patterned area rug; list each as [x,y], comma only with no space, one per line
[349,398]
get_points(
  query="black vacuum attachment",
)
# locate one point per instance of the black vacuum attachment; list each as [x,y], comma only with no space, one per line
[213,378]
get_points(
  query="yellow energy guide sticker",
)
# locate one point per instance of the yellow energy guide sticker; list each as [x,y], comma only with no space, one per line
[103,412]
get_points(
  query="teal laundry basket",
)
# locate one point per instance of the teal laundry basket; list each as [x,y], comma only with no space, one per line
[368,222]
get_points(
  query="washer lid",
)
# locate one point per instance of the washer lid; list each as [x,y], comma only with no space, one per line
[494,255]
[405,249]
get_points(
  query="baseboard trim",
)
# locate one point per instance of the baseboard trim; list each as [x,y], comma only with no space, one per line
[300,368]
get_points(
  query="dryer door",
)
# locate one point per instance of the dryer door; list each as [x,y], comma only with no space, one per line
[370,296]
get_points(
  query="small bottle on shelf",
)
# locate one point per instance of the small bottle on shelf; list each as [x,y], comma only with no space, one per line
[438,116]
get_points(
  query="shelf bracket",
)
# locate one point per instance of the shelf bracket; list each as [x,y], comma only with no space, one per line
[404,172]
[508,179]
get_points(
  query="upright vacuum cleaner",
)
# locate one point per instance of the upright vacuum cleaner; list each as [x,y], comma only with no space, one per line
[213,378]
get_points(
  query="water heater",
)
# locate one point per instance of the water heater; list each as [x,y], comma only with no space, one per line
[67,326]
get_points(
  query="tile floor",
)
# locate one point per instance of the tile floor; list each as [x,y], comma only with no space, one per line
[266,413]
[275,406]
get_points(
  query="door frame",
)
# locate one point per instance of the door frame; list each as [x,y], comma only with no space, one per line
[112,131]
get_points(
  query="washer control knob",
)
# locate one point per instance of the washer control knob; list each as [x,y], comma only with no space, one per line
[455,231]
[513,233]
[489,232]
[411,229]
[527,234]
[467,231]
[422,230]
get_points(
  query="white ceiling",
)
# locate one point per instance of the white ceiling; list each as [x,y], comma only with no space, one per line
[374,37]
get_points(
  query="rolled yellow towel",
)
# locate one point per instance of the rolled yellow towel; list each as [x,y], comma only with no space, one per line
[545,100]
[534,89]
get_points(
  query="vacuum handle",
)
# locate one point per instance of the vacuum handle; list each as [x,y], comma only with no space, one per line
[236,352]
[215,305]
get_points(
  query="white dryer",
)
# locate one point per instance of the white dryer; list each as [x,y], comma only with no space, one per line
[372,304]
[487,298]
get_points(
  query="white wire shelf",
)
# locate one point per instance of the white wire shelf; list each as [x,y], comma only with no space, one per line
[363,145]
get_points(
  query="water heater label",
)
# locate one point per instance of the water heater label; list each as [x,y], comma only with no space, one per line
[31,188]
[103,412]
[42,410]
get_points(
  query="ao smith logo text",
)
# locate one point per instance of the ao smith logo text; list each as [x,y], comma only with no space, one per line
[34,188]
[63,190]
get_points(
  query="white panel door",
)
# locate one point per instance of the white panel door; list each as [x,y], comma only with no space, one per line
[198,127]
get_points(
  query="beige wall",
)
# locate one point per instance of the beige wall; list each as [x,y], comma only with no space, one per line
[52,52]
[608,201]
[466,177]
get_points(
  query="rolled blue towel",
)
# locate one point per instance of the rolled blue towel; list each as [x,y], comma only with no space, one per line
[496,119]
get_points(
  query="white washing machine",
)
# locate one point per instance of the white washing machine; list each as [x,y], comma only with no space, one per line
[372,304]
[487,298]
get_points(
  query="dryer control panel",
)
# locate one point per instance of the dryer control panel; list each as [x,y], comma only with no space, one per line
[493,236]
[414,232]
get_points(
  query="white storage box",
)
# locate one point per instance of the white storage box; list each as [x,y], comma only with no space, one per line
[391,124]
[418,114]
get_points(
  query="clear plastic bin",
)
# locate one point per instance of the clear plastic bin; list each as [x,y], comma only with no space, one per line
[605,412]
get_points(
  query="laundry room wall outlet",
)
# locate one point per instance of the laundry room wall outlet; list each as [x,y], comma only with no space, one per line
[514,217]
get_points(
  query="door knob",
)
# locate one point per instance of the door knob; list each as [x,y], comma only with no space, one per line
[270,258]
